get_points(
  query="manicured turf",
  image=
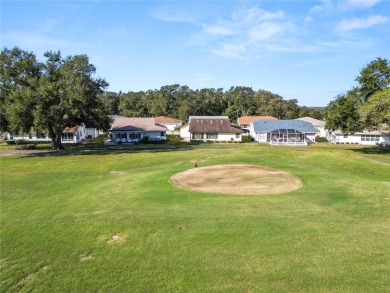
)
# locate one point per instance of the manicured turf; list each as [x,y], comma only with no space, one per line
[59,214]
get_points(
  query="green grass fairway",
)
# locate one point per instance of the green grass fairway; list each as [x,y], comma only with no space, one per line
[108,220]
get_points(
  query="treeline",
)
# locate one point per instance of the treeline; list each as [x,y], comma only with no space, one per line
[180,102]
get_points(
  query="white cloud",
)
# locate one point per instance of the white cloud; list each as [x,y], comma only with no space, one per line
[236,51]
[217,30]
[174,16]
[361,3]
[331,6]
[346,25]
[241,35]
[255,15]
[265,30]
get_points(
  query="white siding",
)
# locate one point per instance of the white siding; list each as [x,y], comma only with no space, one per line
[93,132]
[229,137]
[154,135]
[357,139]
[184,131]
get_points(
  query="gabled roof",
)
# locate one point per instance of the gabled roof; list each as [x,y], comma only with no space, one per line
[136,124]
[71,129]
[164,119]
[207,117]
[315,122]
[248,119]
[212,125]
[270,125]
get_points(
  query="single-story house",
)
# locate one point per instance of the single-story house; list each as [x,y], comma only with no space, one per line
[185,129]
[168,122]
[318,125]
[213,129]
[70,135]
[245,121]
[283,132]
[365,137]
[132,130]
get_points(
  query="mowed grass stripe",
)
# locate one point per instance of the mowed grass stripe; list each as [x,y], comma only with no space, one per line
[59,215]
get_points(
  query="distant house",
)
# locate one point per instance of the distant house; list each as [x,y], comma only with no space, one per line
[185,129]
[213,129]
[245,121]
[283,132]
[130,130]
[318,125]
[69,135]
[168,122]
[365,137]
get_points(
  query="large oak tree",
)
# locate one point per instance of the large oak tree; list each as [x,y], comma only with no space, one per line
[365,106]
[52,95]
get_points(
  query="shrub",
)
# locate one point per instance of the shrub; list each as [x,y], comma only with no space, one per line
[26,147]
[320,139]
[21,142]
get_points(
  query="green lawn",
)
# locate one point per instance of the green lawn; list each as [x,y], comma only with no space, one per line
[59,214]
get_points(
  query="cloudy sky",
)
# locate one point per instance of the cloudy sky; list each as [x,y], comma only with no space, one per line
[307,50]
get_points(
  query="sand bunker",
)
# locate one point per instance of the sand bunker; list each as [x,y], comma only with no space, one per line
[237,179]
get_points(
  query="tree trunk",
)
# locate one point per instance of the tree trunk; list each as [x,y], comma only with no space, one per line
[57,143]
[55,138]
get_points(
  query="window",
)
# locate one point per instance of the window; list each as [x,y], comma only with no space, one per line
[345,135]
[237,136]
[134,135]
[370,137]
[67,136]
[197,136]
[161,133]
[212,135]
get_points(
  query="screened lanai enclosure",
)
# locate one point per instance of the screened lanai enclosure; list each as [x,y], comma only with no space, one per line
[287,137]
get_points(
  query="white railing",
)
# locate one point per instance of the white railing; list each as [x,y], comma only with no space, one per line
[288,143]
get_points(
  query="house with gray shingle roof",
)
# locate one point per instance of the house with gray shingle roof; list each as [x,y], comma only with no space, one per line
[130,130]
[283,132]
[213,129]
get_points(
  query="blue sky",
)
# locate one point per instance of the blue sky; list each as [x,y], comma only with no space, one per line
[307,50]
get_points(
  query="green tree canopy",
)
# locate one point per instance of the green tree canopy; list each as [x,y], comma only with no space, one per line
[365,106]
[52,95]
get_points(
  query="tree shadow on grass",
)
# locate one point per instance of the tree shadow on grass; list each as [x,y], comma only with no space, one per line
[84,151]
[373,150]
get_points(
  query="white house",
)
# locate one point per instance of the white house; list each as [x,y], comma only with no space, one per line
[365,137]
[69,135]
[318,125]
[283,132]
[168,122]
[185,129]
[213,129]
[130,130]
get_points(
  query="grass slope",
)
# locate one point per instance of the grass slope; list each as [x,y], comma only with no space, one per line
[59,214]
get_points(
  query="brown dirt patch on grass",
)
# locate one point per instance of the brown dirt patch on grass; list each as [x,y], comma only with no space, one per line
[239,179]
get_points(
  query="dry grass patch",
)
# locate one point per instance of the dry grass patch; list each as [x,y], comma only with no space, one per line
[240,179]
